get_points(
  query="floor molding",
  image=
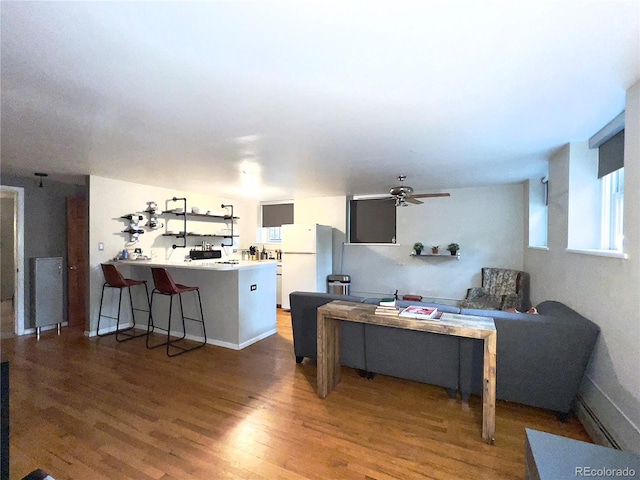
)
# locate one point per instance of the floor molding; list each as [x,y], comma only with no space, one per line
[603,420]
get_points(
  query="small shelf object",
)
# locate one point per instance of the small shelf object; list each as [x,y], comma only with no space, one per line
[153,211]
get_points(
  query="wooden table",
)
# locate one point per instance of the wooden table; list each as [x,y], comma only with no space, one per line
[331,314]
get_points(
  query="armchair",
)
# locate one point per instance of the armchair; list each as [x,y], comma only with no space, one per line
[501,289]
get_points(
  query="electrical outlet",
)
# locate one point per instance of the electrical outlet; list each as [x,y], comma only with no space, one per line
[254,287]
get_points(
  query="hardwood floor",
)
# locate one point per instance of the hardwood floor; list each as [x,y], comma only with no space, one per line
[85,408]
[7,323]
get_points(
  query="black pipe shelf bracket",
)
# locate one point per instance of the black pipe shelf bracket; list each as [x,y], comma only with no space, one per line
[184,222]
[228,217]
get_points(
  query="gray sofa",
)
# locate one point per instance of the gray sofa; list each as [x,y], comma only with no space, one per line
[541,359]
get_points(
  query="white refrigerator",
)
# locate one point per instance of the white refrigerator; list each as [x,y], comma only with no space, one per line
[306,259]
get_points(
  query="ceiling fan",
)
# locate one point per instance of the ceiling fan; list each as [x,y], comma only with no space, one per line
[403,194]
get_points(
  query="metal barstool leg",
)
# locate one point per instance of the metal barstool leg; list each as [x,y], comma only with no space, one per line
[100,315]
[133,318]
[151,325]
[100,309]
[184,326]
[204,331]
[169,324]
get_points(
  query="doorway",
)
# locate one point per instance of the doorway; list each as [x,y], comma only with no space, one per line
[12,256]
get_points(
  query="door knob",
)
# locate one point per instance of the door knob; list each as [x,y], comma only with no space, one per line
[72,267]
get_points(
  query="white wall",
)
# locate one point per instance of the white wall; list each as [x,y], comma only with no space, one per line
[487,222]
[605,290]
[110,199]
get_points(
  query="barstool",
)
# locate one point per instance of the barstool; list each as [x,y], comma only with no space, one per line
[164,285]
[114,279]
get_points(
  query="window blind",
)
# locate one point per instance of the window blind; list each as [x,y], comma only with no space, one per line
[277,215]
[611,155]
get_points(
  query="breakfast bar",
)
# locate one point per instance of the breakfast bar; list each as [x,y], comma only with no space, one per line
[238,298]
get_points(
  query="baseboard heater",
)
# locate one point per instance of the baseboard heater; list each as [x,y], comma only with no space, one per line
[593,425]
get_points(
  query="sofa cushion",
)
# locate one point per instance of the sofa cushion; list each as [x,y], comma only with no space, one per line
[421,356]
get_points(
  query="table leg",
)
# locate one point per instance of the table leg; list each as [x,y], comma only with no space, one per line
[328,354]
[489,389]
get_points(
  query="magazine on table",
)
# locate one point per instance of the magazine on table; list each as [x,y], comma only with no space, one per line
[420,312]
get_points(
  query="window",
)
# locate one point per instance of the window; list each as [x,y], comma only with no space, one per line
[611,175]
[372,220]
[612,210]
[273,217]
[596,192]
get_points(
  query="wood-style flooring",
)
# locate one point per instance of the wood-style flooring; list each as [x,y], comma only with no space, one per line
[7,323]
[97,409]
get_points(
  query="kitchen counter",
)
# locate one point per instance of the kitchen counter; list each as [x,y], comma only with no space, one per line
[238,300]
[202,264]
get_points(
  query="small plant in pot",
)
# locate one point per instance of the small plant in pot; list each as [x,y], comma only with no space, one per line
[453,248]
[418,247]
[434,249]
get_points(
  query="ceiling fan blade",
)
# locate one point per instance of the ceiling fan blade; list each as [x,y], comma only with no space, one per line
[412,199]
[430,195]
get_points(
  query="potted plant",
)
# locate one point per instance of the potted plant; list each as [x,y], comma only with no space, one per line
[418,247]
[453,248]
[434,249]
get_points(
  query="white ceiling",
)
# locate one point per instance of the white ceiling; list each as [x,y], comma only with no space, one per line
[309,98]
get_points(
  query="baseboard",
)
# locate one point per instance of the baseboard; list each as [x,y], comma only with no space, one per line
[605,423]
[256,339]
[218,343]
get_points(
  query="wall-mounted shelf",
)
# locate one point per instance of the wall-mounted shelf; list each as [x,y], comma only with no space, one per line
[184,214]
[438,255]
[191,234]
[201,215]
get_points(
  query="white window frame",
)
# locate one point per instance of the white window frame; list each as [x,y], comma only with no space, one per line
[612,226]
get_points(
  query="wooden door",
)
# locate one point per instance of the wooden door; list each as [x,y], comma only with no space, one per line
[77,261]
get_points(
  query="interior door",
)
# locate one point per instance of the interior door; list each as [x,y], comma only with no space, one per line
[77,261]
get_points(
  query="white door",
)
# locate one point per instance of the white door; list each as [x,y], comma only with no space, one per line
[298,274]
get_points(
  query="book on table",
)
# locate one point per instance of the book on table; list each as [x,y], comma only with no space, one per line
[384,310]
[420,312]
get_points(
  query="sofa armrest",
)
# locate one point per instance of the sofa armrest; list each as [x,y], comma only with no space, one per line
[479,297]
[511,300]
[477,292]
[304,323]
[541,359]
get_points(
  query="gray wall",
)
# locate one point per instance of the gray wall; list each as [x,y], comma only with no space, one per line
[7,249]
[45,225]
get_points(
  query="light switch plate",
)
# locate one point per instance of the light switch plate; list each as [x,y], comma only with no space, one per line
[101,246]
